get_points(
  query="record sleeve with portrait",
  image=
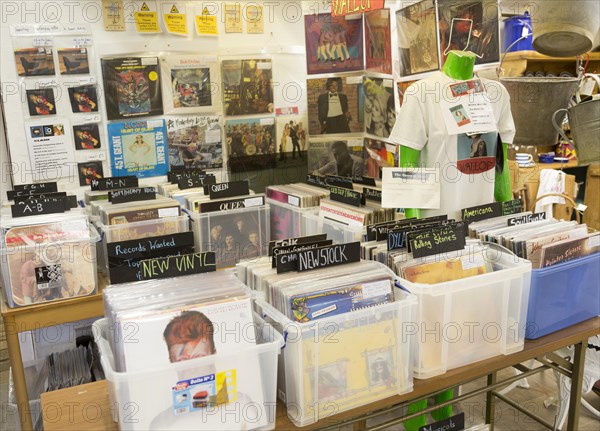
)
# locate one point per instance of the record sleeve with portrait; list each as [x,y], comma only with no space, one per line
[250,143]
[89,171]
[195,141]
[292,136]
[471,26]
[378,43]
[247,86]
[191,84]
[344,158]
[132,87]
[417,38]
[378,155]
[333,44]
[41,102]
[73,61]
[83,99]
[34,61]
[379,106]
[335,105]
[87,136]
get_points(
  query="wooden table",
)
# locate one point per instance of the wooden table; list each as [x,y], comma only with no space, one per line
[31,317]
[541,349]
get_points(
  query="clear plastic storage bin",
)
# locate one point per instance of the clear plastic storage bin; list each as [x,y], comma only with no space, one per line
[149,400]
[337,232]
[342,362]
[49,271]
[287,221]
[137,230]
[563,295]
[233,235]
[464,321]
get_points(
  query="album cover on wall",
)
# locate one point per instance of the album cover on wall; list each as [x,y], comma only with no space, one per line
[417,38]
[292,138]
[192,83]
[139,148]
[41,102]
[87,136]
[378,43]
[379,106]
[344,158]
[247,86]
[335,105]
[402,87]
[250,143]
[333,44]
[132,87]
[89,171]
[379,154]
[34,61]
[73,61]
[195,141]
[83,99]
[471,26]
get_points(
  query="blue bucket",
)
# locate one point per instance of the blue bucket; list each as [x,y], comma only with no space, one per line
[515,28]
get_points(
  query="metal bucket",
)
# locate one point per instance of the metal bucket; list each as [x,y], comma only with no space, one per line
[565,28]
[584,120]
[533,101]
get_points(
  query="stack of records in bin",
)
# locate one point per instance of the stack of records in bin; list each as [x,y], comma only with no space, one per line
[169,330]
[544,242]
[298,195]
[47,257]
[350,215]
[125,221]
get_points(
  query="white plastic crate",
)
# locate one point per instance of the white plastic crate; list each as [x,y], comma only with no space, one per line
[342,362]
[211,231]
[464,321]
[338,232]
[146,400]
[287,221]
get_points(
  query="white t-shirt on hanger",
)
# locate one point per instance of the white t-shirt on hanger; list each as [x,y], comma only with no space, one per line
[466,164]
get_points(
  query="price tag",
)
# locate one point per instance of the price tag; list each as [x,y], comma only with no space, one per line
[42,41]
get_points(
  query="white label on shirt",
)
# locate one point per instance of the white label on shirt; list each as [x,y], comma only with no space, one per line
[411,188]
[470,262]
[466,108]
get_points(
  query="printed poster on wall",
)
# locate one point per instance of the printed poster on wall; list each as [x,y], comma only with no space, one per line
[190,84]
[195,141]
[333,44]
[138,147]
[417,39]
[132,87]
[50,148]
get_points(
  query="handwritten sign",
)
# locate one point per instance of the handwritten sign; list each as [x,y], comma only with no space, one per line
[295,241]
[437,240]
[291,262]
[132,195]
[167,267]
[529,218]
[113,183]
[347,196]
[228,190]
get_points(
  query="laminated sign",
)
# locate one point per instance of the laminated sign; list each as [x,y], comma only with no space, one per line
[175,18]
[146,19]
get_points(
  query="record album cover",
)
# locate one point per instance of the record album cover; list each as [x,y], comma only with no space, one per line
[333,44]
[291,136]
[471,26]
[191,84]
[89,171]
[417,38]
[87,136]
[402,87]
[195,141]
[34,61]
[335,105]
[41,102]
[342,158]
[132,87]
[138,147]
[73,61]
[379,154]
[378,42]
[250,143]
[83,99]
[247,86]
[379,106]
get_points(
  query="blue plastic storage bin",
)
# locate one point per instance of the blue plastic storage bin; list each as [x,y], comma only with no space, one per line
[515,28]
[563,295]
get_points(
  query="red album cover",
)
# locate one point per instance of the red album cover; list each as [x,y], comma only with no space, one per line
[333,44]
[378,41]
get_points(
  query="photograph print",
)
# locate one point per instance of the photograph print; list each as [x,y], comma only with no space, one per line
[251,143]
[417,38]
[333,44]
[291,137]
[469,26]
[247,86]
[335,105]
[379,106]
[378,44]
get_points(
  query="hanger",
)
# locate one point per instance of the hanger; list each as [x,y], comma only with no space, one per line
[468,39]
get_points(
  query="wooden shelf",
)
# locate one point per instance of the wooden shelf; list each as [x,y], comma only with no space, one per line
[536,56]
[519,62]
